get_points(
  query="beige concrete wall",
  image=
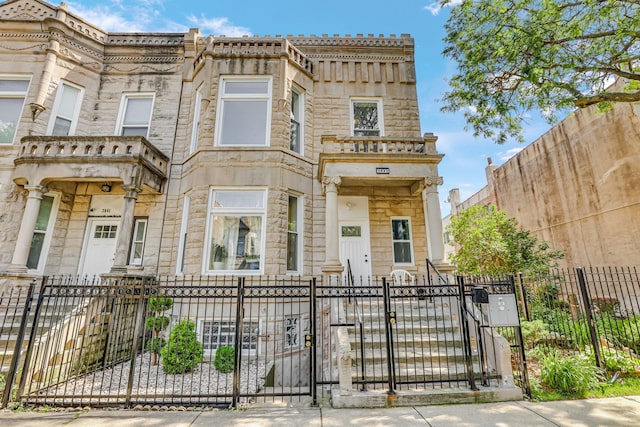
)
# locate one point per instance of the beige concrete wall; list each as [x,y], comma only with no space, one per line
[577,187]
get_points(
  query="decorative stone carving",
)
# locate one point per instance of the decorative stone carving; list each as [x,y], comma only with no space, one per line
[433,180]
[329,180]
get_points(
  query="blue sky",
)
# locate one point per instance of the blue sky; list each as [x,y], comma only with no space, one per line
[465,156]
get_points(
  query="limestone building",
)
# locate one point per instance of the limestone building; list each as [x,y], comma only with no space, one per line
[187,154]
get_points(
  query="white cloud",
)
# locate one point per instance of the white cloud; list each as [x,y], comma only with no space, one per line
[218,26]
[107,18]
[506,155]
[436,6]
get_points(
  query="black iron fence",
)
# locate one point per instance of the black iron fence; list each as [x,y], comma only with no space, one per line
[594,309]
[232,340]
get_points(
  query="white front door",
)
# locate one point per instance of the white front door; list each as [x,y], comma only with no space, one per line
[353,229]
[100,246]
[354,249]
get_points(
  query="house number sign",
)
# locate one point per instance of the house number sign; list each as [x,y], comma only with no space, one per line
[382,171]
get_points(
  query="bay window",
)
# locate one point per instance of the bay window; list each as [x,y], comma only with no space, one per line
[236,231]
[244,111]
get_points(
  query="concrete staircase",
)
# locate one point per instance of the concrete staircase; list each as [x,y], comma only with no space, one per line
[428,352]
[427,342]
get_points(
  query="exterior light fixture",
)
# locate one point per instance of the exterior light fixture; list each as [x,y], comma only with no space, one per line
[106,187]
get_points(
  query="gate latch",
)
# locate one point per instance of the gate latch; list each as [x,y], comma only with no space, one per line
[391,317]
[308,341]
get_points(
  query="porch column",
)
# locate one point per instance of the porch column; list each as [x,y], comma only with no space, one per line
[433,217]
[126,228]
[27,226]
[331,258]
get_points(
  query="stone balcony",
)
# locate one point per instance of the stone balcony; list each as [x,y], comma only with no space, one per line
[380,161]
[127,159]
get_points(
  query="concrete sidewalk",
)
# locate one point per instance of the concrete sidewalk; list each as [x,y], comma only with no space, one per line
[610,412]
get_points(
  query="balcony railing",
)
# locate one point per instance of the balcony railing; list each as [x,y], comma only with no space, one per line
[381,145]
[92,149]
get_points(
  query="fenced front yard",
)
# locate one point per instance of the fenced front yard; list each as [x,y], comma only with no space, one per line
[233,340]
[585,309]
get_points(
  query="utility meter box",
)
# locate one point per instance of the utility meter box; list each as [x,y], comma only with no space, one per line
[503,310]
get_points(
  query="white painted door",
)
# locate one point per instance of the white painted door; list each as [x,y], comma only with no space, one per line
[354,248]
[100,246]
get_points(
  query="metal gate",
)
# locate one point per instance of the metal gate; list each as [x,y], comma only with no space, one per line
[428,334]
[154,341]
[93,343]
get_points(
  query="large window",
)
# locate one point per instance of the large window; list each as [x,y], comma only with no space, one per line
[13,91]
[66,109]
[244,112]
[366,117]
[137,241]
[135,115]
[293,233]
[195,132]
[402,246]
[296,137]
[236,229]
[42,233]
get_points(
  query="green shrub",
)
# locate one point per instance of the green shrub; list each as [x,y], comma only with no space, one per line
[160,303]
[183,352]
[154,345]
[533,331]
[619,361]
[570,374]
[223,361]
[157,323]
[620,332]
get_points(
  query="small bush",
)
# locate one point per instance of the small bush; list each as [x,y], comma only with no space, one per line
[223,361]
[157,323]
[619,361]
[533,331]
[571,374]
[155,345]
[161,303]
[183,352]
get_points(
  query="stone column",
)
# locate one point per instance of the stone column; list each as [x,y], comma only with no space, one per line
[25,234]
[332,247]
[126,228]
[433,219]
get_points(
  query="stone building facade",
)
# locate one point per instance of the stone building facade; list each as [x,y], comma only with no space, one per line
[576,187]
[186,154]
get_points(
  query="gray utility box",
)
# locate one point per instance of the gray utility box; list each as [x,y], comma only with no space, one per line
[503,310]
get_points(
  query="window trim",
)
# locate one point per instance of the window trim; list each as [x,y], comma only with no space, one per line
[299,231]
[378,101]
[393,253]
[124,101]
[56,108]
[23,95]
[138,220]
[197,112]
[300,120]
[222,97]
[184,230]
[48,234]
[231,211]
